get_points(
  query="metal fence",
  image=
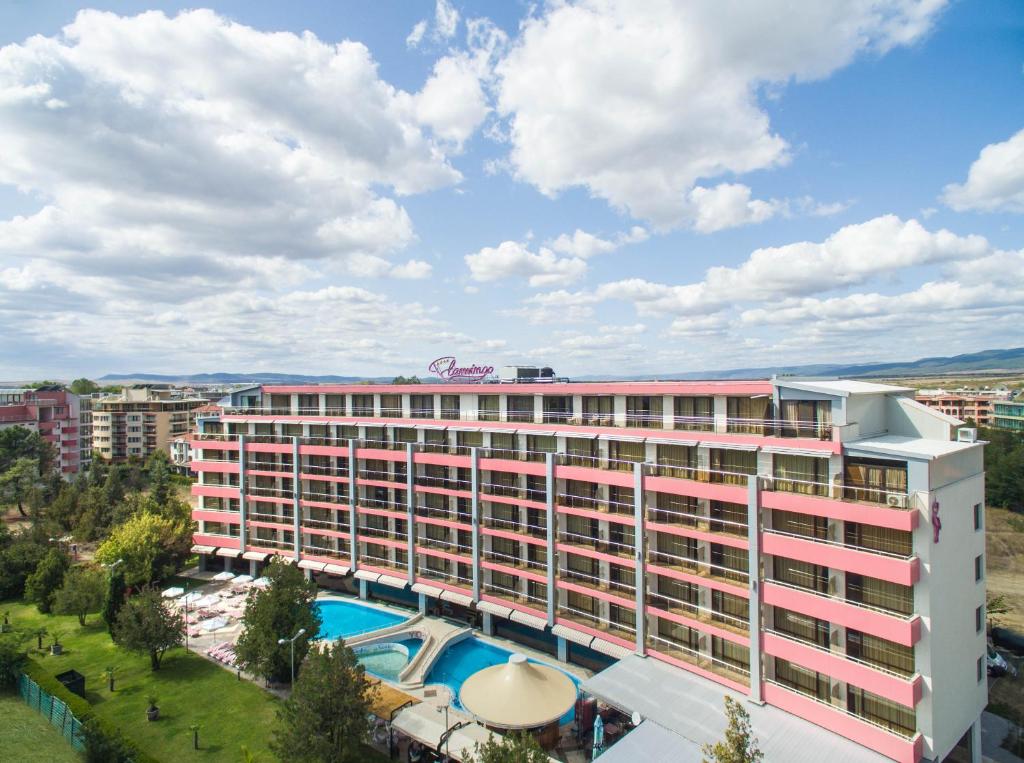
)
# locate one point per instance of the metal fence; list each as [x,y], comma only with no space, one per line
[53,709]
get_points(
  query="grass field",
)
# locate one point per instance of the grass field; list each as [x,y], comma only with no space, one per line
[190,689]
[27,736]
[1004,562]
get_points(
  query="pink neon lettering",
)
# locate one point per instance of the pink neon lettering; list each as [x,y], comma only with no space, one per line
[447,370]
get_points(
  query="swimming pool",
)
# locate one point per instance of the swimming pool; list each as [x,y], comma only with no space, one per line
[343,619]
[387,660]
[461,660]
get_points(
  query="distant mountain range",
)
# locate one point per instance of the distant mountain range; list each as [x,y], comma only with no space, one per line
[987,361]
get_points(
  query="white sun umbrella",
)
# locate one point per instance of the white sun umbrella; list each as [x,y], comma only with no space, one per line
[208,601]
[173,593]
[224,575]
[213,624]
[243,579]
[518,694]
[261,582]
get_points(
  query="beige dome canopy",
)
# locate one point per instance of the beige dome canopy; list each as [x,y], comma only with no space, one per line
[518,694]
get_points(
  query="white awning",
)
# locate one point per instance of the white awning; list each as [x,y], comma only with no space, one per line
[394,582]
[731,446]
[458,428]
[425,723]
[667,441]
[623,438]
[336,569]
[230,553]
[434,427]
[531,620]
[612,650]
[427,590]
[255,556]
[198,549]
[309,564]
[494,609]
[457,598]
[366,575]
[583,639]
[541,433]
[795,451]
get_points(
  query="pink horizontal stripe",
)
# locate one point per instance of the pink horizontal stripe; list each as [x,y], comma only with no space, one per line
[214,540]
[595,593]
[892,627]
[510,535]
[754,387]
[209,515]
[699,625]
[712,491]
[844,724]
[625,561]
[323,450]
[537,577]
[697,670]
[215,491]
[601,516]
[724,539]
[902,571]
[879,516]
[690,577]
[450,523]
[905,691]
[438,553]
[224,467]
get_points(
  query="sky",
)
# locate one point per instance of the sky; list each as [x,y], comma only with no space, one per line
[601,186]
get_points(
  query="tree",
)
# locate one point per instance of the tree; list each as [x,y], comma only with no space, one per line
[65,509]
[324,719]
[17,561]
[12,657]
[159,477]
[84,386]
[152,547]
[18,482]
[146,626]
[42,585]
[114,597]
[406,380]
[995,607]
[277,612]
[739,745]
[81,593]
[113,488]
[22,442]
[517,747]
[95,514]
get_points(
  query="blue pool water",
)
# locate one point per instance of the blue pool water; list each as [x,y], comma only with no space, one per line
[342,619]
[460,661]
[387,660]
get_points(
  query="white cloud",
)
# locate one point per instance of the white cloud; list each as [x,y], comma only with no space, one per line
[587,245]
[416,34]
[452,101]
[728,205]
[446,20]
[995,181]
[639,102]
[513,259]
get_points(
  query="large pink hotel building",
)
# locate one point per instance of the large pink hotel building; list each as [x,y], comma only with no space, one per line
[816,545]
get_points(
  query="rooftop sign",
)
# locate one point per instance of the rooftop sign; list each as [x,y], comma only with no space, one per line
[448,370]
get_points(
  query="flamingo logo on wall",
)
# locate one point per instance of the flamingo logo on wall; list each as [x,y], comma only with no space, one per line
[936,522]
[448,370]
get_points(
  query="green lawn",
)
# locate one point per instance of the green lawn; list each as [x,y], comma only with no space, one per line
[25,735]
[190,690]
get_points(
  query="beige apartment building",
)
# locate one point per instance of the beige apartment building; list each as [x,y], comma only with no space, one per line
[140,420]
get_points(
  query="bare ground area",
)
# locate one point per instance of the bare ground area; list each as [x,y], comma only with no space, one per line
[1004,541]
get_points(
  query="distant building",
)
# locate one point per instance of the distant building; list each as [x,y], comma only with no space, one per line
[51,411]
[975,405]
[140,420]
[1008,414]
[85,430]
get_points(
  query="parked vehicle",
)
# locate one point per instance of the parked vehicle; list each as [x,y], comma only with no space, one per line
[998,665]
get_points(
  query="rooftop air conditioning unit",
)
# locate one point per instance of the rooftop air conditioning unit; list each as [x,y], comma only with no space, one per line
[896,500]
[967,434]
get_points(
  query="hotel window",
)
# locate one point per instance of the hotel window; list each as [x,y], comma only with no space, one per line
[622,455]
[979,567]
[799,524]
[581,526]
[807,418]
[748,414]
[421,406]
[450,407]
[557,408]
[977,516]
[694,413]
[536,488]
[729,562]
[347,432]
[680,635]
[886,654]
[728,518]
[536,592]
[335,405]
[581,451]
[800,679]
[874,481]
[730,466]
[406,434]
[677,461]
[503,580]
[676,594]
[538,445]
[599,410]
[582,602]
[884,712]
[375,437]
[519,408]
[675,509]
[436,438]
[981,668]
[507,551]
[730,653]
[899,542]
[625,617]
[674,550]
[880,593]
[488,408]
[620,500]
[800,474]
[391,406]
[470,440]
[621,537]
[578,494]
[503,445]
[812,577]
[802,627]
[728,608]
[979,619]
[644,411]
[362,405]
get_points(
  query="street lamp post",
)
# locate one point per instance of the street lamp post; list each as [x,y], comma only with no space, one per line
[283,641]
